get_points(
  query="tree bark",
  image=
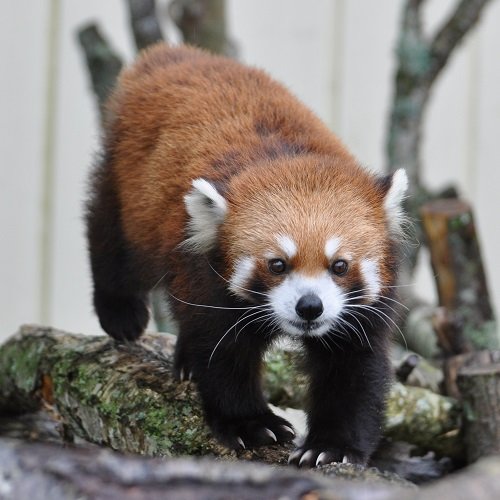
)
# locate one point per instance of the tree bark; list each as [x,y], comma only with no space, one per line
[144,23]
[123,396]
[203,23]
[480,389]
[103,64]
[118,395]
[467,322]
[454,364]
[420,60]
[429,420]
[34,470]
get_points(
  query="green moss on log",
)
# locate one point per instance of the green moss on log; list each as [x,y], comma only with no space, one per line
[424,418]
[123,395]
[119,395]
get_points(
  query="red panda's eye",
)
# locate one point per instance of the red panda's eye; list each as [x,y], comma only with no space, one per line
[339,267]
[277,266]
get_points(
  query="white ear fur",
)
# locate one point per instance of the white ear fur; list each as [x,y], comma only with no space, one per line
[394,198]
[206,208]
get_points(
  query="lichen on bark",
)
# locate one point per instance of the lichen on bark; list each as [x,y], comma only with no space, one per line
[122,396]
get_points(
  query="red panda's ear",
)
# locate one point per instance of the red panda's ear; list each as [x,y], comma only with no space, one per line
[207,209]
[395,190]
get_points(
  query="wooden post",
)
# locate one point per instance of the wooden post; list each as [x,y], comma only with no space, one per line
[480,389]
[468,322]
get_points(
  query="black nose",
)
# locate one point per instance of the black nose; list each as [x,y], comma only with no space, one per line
[309,307]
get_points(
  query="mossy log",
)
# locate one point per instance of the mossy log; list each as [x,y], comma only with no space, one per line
[119,395]
[429,420]
[123,396]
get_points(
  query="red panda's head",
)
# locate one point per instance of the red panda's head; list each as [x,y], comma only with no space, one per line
[311,238]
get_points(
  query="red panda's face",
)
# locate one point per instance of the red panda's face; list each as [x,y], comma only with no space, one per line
[310,247]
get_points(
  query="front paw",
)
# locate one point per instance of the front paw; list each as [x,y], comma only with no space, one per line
[318,454]
[121,317]
[250,432]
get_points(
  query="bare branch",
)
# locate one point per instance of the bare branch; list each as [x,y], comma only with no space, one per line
[102,62]
[464,17]
[144,22]
[203,23]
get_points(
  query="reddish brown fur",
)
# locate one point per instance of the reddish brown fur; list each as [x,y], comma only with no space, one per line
[171,133]
[179,114]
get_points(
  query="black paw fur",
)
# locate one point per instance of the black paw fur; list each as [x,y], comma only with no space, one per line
[123,318]
[250,432]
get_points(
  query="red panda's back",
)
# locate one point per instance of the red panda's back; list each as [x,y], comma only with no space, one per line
[174,113]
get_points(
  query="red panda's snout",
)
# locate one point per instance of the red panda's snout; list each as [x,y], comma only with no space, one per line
[302,303]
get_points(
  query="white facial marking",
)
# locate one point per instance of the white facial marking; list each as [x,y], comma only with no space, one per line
[287,245]
[284,297]
[394,198]
[243,269]
[206,209]
[371,277]
[331,247]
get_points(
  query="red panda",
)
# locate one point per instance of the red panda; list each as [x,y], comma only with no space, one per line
[219,186]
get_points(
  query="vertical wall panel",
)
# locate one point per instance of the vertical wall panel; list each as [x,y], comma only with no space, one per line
[371,30]
[77,145]
[22,109]
[487,155]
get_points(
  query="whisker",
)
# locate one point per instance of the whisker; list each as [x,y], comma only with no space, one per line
[159,281]
[395,311]
[256,317]
[379,313]
[239,320]
[345,322]
[215,307]
[237,286]
[362,328]
[382,298]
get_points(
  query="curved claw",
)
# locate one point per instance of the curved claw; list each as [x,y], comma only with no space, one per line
[240,441]
[271,434]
